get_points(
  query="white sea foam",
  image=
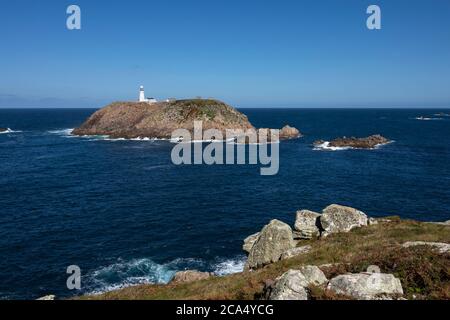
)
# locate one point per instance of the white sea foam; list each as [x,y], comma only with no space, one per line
[230,266]
[177,140]
[326,146]
[441,115]
[127,273]
[133,272]
[10,131]
[62,132]
[428,119]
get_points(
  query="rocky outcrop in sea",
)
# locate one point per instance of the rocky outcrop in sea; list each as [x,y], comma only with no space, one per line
[370,142]
[131,120]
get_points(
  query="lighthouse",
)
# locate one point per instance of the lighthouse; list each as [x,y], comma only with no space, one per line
[142,97]
[142,94]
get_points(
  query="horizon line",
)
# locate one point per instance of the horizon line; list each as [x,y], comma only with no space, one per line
[282,107]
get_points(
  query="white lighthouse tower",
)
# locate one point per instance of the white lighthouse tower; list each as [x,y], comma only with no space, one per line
[142,95]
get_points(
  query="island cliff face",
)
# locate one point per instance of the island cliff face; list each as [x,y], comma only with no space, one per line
[159,120]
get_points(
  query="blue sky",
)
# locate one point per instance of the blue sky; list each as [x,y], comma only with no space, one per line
[249,53]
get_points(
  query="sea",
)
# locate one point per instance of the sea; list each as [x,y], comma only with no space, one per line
[123,213]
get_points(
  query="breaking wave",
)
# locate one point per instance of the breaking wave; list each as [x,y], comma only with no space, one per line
[133,272]
[230,266]
[62,132]
[326,147]
[10,131]
[428,119]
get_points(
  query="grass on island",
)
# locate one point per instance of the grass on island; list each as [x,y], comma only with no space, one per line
[424,273]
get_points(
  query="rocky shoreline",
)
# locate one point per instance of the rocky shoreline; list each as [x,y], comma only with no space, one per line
[340,253]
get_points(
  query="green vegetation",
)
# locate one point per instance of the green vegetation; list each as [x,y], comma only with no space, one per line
[424,273]
[197,108]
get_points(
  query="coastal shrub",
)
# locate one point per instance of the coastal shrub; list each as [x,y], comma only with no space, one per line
[423,272]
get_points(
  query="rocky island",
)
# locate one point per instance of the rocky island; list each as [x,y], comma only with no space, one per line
[352,142]
[158,120]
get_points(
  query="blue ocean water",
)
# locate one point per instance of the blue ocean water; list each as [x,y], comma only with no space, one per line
[125,214]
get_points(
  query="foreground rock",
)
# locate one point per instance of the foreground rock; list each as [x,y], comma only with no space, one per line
[249,242]
[158,120]
[293,285]
[307,225]
[366,286]
[294,252]
[357,143]
[190,276]
[336,218]
[274,240]
[438,246]
[3,129]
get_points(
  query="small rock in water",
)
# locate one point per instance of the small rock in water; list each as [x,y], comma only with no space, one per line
[359,143]
[288,132]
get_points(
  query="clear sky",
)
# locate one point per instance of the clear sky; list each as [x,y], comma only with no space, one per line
[249,53]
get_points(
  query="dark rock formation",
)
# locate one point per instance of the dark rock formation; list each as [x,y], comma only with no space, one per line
[358,143]
[3,129]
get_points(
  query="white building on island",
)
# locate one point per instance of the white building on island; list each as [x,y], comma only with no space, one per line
[142,97]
